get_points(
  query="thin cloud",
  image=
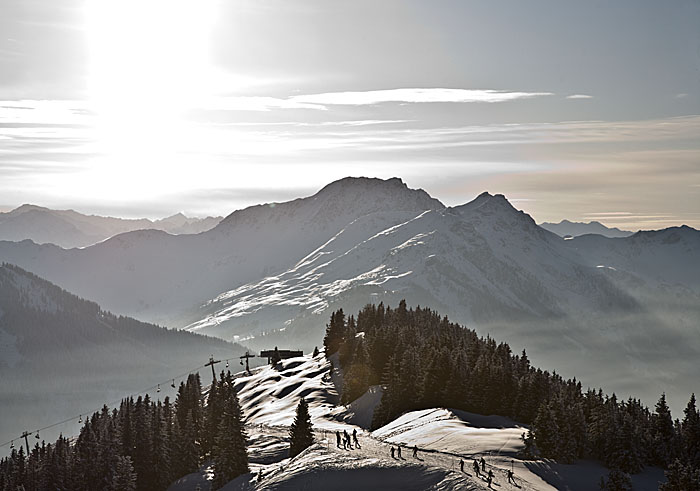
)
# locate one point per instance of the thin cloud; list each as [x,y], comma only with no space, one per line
[245,103]
[413,95]
[579,96]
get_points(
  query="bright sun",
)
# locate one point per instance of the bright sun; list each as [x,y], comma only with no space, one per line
[149,62]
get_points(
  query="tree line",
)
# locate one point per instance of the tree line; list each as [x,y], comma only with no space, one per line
[142,445]
[423,360]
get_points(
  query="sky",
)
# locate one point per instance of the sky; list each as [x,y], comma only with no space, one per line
[584,110]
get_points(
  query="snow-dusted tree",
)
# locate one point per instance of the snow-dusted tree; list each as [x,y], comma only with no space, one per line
[229,453]
[301,432]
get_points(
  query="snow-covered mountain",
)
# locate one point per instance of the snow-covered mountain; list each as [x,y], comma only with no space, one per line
[587,307]
[618,312]
[565,228]
[68,228]
[164,278]
[60,354]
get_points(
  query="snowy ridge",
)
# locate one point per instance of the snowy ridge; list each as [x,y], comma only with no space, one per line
[474,243]
[269,397]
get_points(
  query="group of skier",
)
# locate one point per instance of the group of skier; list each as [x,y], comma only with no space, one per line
[344,440]
[479,467]
[396,452]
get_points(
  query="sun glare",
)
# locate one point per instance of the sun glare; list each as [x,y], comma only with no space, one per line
[149,62]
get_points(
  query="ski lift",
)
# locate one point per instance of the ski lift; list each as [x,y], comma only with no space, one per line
[158,389]
[226,363]
[12,444]
[241,362]
[37,435]
[80,419]
[173,384]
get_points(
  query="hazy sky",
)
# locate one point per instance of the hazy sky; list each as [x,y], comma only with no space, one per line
[581,110]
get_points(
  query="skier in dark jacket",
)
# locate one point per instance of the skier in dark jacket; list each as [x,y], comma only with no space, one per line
[461,465]
[476,468]
[398,451]
[392,452]
[490,479]
[483,465]
[354,438]
[347,439]
[511,478]
[337,438]
[415,451]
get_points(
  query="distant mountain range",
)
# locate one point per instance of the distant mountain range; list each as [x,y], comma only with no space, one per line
[68,228]
[565,228]
[61,355]
[623,312]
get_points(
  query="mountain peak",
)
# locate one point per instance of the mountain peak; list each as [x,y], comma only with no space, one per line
[487,202]
[341,201]
[27,207]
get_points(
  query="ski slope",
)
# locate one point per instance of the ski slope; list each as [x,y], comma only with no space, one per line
[444,436]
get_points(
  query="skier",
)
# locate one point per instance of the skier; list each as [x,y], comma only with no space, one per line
[511,478]
[415,451]
[490,477]
[483,465]
[354,438]
[337,438]
[461,465]
[398,451]
[476,468]
[392,452]
[347,439]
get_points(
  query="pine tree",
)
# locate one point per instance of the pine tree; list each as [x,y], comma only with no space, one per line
[690,431]
[681,478]
[545,431]
[124,478]
[356,378]
[334,332]
[617,481]
[662,433]
[301,432]
[229,453]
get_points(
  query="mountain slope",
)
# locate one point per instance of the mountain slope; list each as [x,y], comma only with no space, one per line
[623,312]
[164,278]
[61,355]
[573,229]
[68,228]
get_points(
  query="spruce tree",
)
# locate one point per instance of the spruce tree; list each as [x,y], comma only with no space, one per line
[229,453]
[301,432]
[681,478]
[690,431]
[663,433]
[124,477]
[334,332]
